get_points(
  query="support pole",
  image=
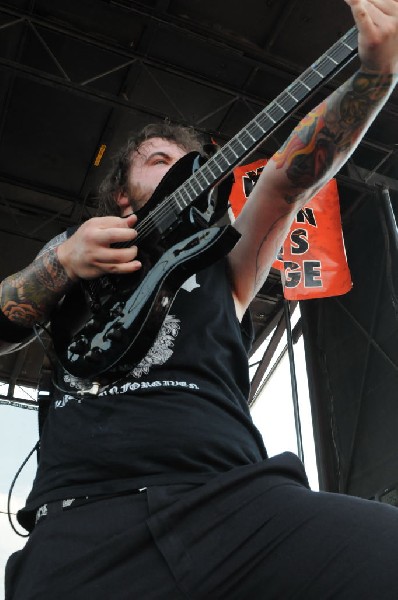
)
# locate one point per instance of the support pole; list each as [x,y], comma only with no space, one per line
[293,380]
[389,216]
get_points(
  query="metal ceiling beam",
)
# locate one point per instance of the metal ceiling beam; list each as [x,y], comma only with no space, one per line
[345,476]
[110,99]
[230,43]
[367,336]
[267,63]
[19,403]
[118,102]
[286,10]
[57,82]
[282,69]
[20,184]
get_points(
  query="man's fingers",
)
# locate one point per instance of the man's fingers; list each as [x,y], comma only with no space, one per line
[361,15]
[131,219]
[115,256]
[111,221]
[373,12]
[377,22]
[115,235]
[125,268]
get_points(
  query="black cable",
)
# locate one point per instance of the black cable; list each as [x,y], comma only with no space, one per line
[39,338]
[24,535]
[254,364]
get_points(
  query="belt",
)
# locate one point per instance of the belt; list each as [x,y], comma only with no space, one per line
[57,506]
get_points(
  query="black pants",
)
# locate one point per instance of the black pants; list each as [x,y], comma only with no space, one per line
[254,533]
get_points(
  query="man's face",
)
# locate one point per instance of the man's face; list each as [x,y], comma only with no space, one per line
[149,165]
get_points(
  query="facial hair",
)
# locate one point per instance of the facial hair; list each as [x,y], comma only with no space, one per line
[137,196]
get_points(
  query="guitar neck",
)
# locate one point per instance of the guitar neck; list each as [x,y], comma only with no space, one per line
[273,115]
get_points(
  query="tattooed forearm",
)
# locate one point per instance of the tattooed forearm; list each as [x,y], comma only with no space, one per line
[27,297]
[359,104]
[329,134]
[260,275]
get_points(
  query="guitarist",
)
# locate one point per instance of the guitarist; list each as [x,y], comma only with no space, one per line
[160,487]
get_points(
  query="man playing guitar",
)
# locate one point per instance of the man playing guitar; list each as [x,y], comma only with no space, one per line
[158,485]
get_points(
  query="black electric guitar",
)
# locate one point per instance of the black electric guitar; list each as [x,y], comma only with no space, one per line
[100,327]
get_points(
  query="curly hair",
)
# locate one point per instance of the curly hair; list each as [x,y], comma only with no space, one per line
[117,178]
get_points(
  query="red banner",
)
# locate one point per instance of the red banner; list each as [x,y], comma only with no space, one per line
[312,260]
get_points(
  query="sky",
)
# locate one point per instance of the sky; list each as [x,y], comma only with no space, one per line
[272,413]
[18,435]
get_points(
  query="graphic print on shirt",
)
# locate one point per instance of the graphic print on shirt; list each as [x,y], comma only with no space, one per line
[161,350]
[158,354]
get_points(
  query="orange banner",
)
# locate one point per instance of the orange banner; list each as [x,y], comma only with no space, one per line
[312,260]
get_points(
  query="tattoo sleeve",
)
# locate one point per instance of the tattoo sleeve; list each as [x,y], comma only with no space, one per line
[324,139]
[27,297]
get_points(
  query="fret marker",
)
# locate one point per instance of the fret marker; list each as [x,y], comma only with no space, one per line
[281,107]
[201,172]
[216,165]
[177,202]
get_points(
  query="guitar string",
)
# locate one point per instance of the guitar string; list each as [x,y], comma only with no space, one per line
[165,208]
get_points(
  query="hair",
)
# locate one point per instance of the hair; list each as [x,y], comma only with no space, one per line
[117,178]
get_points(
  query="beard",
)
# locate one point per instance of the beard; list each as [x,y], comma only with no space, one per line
[138,195]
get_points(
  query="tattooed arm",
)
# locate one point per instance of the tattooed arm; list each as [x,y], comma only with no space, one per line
[316,149]
[27,297]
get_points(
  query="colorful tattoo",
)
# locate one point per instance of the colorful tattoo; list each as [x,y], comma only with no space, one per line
[27,297]
[331,132]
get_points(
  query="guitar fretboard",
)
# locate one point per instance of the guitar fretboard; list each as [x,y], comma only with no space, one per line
[273,115]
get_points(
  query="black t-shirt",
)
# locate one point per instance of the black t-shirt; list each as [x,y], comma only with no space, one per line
[180,416]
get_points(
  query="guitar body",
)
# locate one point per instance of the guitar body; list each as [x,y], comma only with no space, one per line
[100,338]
